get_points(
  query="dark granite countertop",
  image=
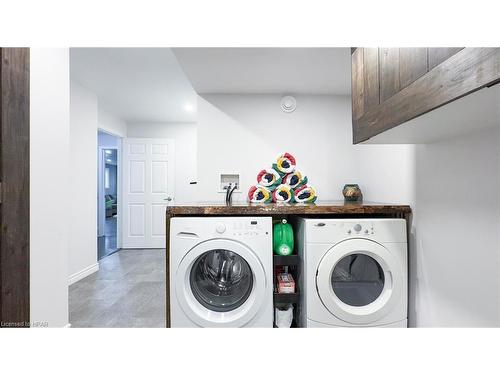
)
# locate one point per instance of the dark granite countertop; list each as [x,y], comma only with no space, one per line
[318,208]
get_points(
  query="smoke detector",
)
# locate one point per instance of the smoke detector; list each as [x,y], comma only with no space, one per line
[288,104]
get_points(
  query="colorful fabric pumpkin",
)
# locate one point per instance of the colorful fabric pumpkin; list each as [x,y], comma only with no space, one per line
[269,178]
[295,179]
[305,194]
[285,164]
[283,194]
[259,194]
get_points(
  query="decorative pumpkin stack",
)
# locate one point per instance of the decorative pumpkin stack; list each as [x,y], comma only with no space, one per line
[282,183]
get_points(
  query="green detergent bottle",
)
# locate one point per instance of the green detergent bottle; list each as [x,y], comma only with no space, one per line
[283,238]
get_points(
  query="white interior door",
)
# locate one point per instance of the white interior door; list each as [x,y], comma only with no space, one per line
[148,186]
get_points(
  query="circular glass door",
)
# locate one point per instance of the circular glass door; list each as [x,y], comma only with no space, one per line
[221,280]
[221,283]
[357,280]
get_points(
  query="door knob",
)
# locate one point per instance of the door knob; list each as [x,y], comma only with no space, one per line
[168,199]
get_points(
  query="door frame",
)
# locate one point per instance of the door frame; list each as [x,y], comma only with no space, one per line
[119,175]
[15,191]
[101,169]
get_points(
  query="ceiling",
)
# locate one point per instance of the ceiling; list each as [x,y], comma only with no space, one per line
[161,84]
[136,84]
[267,70]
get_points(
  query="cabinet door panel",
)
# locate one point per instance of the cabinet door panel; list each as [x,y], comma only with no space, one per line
[412,65]
[389,72]
[357,83]
[465,72]
[371,79]
[438,55]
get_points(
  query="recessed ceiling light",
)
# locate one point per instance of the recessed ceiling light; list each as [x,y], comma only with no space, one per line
[109,160]
[188,107]
[109,152]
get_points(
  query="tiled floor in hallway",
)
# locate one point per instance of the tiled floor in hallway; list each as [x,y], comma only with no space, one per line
[106,244]
[127,291]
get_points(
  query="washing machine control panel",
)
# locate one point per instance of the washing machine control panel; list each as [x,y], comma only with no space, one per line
[247,228]
[220,228]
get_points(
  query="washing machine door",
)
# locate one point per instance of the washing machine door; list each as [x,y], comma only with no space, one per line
[221,283]
[359,281]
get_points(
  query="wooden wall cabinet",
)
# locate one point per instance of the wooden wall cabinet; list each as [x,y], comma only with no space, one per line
[391,86]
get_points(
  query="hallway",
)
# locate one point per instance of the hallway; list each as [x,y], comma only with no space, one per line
[107,244]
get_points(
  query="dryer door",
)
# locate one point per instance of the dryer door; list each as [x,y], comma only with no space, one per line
[359,281]
[221,283]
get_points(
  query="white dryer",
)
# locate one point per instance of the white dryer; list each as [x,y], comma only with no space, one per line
[221,272]
[355,272]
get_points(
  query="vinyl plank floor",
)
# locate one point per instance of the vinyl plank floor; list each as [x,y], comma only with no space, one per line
[127,291]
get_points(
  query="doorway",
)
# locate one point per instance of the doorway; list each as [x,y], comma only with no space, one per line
[108,194]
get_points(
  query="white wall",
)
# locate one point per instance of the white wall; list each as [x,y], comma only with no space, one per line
[49,185]
[387,172]
[457,233]
[185,138]
[83,179]
[110,123]
[87,117]
[245,133]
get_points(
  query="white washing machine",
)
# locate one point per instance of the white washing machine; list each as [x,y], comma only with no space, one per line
[221,272]
[355,272]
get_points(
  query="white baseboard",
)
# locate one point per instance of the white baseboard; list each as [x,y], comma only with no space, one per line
[83,273]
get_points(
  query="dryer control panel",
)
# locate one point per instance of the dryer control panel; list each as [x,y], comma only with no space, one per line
[334,230]
[361,229]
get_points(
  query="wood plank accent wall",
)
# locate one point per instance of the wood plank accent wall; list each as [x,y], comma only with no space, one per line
[14,175]
[412,82]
